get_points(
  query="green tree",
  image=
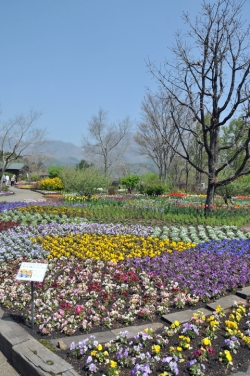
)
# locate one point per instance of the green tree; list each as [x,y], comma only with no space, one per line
[84,182]
[83,164]
[130,182]
[54,171]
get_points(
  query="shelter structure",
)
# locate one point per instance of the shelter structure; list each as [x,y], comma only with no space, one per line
[14,168]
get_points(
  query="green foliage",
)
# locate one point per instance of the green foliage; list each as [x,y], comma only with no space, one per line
[150,178]
[236,126]
[54,171]
[5,188]
[22,177]
[130,181]
[51,184]
[239,187]
[155,190]
[82,165]
[34,177]
[147,180]
[85,182]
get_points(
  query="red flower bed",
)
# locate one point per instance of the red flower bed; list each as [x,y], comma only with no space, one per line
[177,194]
[7,225]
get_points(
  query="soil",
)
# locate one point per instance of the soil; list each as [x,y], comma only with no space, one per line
[241,360]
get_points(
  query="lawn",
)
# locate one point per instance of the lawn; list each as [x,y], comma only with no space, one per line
[119,262]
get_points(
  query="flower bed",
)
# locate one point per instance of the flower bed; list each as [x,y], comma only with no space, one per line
[111,275]
[192,348]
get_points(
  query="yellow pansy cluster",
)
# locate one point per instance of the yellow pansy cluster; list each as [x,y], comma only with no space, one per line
[59,210]
[232,324]
[226,357]
[184,342]
[106,247]
[213,323]
[78,199]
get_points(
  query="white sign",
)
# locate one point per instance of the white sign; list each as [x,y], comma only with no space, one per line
[30,271]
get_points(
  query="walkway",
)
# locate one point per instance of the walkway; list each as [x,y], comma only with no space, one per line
[21,195]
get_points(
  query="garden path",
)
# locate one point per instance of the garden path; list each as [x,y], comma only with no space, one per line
[21,195]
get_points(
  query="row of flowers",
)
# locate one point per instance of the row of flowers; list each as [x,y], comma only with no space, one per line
[176,348]
[107,293]
[37,214]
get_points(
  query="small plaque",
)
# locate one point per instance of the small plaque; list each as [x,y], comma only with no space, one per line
[31,271]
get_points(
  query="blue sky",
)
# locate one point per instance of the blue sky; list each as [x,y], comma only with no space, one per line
[68,58]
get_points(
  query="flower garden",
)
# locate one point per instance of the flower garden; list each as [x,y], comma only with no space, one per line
[125,260]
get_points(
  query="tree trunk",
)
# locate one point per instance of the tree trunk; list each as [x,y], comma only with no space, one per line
[210,197]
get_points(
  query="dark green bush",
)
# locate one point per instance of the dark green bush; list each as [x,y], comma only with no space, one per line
[155,190]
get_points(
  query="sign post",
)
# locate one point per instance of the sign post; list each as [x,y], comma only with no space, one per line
[33,272]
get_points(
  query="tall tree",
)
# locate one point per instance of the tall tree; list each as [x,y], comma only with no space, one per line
[155,128]
[18,138]
[209,78]
[108,142]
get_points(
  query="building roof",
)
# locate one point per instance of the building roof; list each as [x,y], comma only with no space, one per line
[14,166]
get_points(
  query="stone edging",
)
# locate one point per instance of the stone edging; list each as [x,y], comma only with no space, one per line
[26,354]
[29,357]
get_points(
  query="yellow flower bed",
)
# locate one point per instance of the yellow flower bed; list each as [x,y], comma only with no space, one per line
[79,199]
[59,210]
[108,248]
[51,184]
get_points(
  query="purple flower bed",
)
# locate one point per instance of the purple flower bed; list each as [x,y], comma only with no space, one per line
[14,205]
[209,270]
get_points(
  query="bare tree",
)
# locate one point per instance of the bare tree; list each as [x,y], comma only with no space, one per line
[157,136]
[18,138]
[210,79]
[36,162]
[108,142]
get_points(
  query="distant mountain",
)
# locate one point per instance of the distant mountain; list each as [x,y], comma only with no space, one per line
[62,153]
[68,154]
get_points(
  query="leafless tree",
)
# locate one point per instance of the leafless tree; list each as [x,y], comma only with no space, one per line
[36,162]
[209,77]
[157,136]
[108,142]
[18,137]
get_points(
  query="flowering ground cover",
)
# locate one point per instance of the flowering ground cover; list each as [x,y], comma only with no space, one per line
[204,346]
[109,275]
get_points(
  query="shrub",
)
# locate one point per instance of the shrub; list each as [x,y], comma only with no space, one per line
[155,190]
[54,171]
[5,188]
[84,182]
[34,177]
[54,184]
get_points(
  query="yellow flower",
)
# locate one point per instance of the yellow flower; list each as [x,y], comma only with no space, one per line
[93,353]
[99,347]
[218,309]
[228,356]
[156,349]
[206,341]
[113,364]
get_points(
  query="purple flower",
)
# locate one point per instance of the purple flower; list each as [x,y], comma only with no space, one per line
[92,367]
[89,359]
